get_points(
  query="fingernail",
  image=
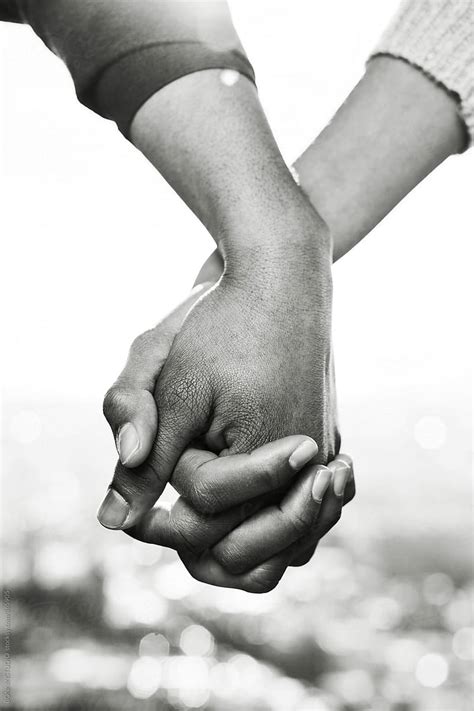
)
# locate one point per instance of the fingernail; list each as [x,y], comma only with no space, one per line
[345,459]
[128,442]
[341,471]
[113,511]
[320,483]
[303,454]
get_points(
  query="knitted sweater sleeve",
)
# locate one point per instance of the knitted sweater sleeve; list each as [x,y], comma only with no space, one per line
[121,52]
[437,36]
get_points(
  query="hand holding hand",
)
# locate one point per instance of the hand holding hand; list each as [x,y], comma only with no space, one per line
[250,544]
[255,555]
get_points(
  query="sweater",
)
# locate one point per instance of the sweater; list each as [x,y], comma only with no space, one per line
[437,36]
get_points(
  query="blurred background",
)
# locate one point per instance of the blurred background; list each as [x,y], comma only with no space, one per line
[97,249]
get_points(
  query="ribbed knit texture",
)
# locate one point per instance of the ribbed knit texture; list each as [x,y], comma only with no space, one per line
[438,37]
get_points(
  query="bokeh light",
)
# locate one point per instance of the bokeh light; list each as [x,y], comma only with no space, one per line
[196,641]
[154,645]
[432,670]
[463,643]
[144,679]
[438,588]
[60,563]
[173,581]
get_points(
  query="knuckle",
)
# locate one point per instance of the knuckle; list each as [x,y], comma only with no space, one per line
[263,581]
[113,403]
[186,540]
[271,477]
[202,496]
[142,342]
[302,558]
[300,525]
[178,393]
[230,556]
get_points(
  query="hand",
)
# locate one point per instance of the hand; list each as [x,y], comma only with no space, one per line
[251,363]
[222,505]
[263,541]
[129,405]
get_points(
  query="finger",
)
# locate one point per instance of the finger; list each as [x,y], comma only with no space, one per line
[129,405]
[131,413]
[343,491]
[130,408]
[343,472]
[261,579]
[213,483]
[274,528]
[129,496]
[182,528]
[302,553]
[133,492]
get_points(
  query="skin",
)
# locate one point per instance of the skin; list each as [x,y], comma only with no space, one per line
[259,341]
[394,128]
[232,494]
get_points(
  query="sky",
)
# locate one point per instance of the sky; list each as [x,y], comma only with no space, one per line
[97,248]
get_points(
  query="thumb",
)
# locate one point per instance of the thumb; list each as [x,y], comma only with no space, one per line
[133,493]
[131,413]
[184,404]
[129,405]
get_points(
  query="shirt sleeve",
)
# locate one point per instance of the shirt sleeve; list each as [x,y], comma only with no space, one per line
[437,36]
[120,52]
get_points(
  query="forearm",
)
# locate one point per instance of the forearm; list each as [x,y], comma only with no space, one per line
[212,143]
[174,77]
[394,128]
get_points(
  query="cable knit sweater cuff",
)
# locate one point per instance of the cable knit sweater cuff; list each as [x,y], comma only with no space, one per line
[438,37]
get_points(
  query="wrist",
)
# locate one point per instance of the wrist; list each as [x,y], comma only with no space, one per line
[297,276]
[292,240]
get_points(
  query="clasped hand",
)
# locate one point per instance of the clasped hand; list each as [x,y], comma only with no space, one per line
[212,400]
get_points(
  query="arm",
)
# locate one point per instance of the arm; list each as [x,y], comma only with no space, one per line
[395,127]
[236,182]
[412,109]
[230,377]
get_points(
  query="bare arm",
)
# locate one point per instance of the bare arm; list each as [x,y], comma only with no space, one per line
[394,128]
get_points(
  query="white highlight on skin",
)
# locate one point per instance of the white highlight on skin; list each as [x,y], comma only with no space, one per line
[229,77]
[294,174]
